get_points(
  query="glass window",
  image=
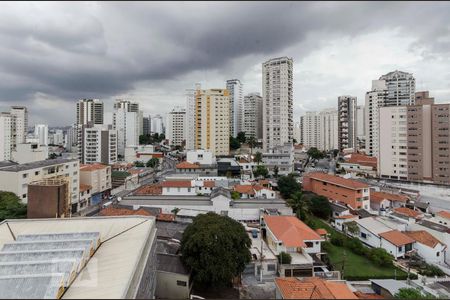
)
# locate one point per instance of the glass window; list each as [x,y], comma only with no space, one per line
[181,283]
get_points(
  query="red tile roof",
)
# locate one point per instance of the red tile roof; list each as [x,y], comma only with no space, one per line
[290,230]
[209,183]
[112,211]
[408,212]
[187,165]
[444,214]
[84,187]
[177,183]
[423,237]
[346,217]
[92,167]
[363,160]
[348,183]
[151,189]
[321,231]
[312,288]
[244,189]
[396,238]
[380,196]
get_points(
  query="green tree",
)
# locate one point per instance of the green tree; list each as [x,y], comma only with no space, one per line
[275,172]
[216,248]
[234,143]
[175,211]
[299,205]
[251,141]
[335,152]
[235,195]
[153,163]
[284,258]
[262,171]
[287,185]
[412,293]
[258,157]
[294,141]
[144,139]
[313,152]
[11,207]
[380,257]
[53,156]
[241,137]
[320,207]
[139,164]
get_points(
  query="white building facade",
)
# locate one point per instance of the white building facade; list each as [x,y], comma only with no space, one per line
[100,145]
[347,130]
[252,118]
[277,91]
[176,126]
[5,136]
[41,133]
[126,124]
[234,87]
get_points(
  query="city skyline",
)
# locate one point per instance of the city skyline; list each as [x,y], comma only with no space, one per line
[50,66]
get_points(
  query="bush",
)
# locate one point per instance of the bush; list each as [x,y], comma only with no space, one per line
[430,270]
[284,258]
[326,246]
[337,240]
[380,257]
[356,246]
[320,207]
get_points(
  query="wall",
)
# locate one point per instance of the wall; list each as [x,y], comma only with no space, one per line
[392,249]
[167,288]
[47,201]
[371,239]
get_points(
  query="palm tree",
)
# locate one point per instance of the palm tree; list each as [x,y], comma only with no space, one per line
[251,141]
[258,157]
[299,205]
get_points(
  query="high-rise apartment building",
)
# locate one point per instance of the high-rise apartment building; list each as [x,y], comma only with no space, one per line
[131,107]
[309,124]
[146,125]
[41,133]
[127,125]
[89,112]
[5,136]
[328,129]
[191,116]
[278,118]
[19,125]
[157,124]
[347,122]
[100,145]
[297,132]
[176,126]
[252,116]
[320,129]
[212,123]
[393,89]
[415,141]
[234,87]
[361,127]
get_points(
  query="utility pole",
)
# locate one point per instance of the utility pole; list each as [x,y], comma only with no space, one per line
[261,260]
[343,264]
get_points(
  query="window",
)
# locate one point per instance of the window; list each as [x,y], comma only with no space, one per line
[36,173]
[24,175]
[400,249]
[271,267]
[181,283]
[363,235]
[309,244]
[24,196]
[437,253]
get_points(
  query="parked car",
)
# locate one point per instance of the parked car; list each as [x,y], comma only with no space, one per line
[254,234]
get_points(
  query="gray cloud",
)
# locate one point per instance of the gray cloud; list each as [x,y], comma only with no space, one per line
[153,51]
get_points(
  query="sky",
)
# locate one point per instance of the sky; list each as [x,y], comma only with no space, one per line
[52,54]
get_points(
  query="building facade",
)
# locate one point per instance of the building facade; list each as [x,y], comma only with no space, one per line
[29,152]
[127,125]
[89,112]
[100,145]
[157,124]
[309,123]
[212,123]
[41,133]
[19,125]
[347,130]
[98,177]
[131,107]
[191,116]
[252,118]
[176,126]
[361,127]
[5,135]
[234,87]
[277,88]
[320,129]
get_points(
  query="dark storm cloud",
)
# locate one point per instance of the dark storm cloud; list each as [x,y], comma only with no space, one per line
[78,50]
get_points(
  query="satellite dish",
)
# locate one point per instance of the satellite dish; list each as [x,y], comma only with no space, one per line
[119,199]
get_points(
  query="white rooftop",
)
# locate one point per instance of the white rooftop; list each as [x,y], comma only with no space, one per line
[111,271]
[374,225]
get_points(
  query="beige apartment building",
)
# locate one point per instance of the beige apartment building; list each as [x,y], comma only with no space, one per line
[415,141]
[212,121]
[98,177]
[16,177]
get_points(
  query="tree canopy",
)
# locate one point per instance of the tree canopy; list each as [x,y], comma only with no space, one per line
[320,207]
[258,157]
[216,248]
[241,137]
[261,170]
[11,207]
[299,205]
[313,152]
[153,162]
[147,139]
[287,185]
[234,143]
[411,293]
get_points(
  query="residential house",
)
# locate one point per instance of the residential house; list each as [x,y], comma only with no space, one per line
[443,217]
[311,288]
[351,192]
[383,200]
[98,176]
[360,164]
[439,231]
[141,153]
[263,258]
[407,215]
[289,234]
[250,191]
[339,221]
[85,195]
[186,167]
[428,247]
[339,209]
[396,243]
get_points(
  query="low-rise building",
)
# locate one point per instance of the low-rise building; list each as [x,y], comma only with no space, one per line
[73,258]
[250,191]
[85,195]
[16,177]
[360,164]
[141,153]
[186,167]
[428,247]
[439,231]
[351,192]
[289,234]
[97,176]
[281,157]
[406,215]
[173,277]
[384,200]
[311,288]
[339,221]
[396,243]
[443,217]
[27,153]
